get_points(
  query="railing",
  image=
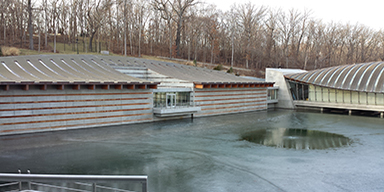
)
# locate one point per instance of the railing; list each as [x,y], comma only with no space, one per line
[164,105]
[92,180]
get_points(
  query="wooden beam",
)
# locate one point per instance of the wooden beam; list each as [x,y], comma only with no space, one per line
[76,87]
[6,87]
[141,86]
[199,86]
[25,87]
[92,87]
[119,86]
[152,86]
[60,87]
[43,87]
[106,87]
[207,86]
[130,86]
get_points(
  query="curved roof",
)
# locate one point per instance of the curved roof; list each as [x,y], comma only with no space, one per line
[364,77]
[72,69]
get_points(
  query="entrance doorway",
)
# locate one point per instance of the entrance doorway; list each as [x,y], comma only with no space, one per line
[171,100]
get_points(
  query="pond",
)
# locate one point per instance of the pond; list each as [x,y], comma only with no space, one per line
[296,138]
[213,154]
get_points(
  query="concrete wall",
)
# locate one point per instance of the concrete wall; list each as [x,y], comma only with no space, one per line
[231,100]
[284,95]
[37,110]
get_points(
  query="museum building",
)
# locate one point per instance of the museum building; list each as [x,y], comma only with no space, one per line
[356,87]
[59,92]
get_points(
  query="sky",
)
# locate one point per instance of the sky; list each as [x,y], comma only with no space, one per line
[367,12]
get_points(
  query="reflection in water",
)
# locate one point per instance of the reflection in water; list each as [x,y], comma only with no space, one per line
[296,138]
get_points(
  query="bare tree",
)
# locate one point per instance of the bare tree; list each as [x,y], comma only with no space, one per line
[166,13]
[96,18]
[30,26]
[248,36]
[270,34]
[143,16]
[180,8]
[249,18]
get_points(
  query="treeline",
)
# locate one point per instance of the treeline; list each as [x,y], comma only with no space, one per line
[247,35]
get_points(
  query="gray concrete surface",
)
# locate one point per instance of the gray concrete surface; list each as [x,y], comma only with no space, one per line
[284,95]
[209,155]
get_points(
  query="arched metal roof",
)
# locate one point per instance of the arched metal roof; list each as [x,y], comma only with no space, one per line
[364,77]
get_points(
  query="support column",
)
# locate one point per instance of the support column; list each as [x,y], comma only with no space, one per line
[321,110]
[349,112]
[381,115]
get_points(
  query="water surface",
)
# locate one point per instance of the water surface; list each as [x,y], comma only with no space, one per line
[209,154]
[296,138]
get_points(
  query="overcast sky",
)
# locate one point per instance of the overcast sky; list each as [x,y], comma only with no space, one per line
[367,12]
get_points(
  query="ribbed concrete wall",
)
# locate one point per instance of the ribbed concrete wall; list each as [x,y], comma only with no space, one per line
[233,100]
[36,110]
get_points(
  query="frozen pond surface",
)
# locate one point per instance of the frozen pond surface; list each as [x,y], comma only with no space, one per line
[209,154]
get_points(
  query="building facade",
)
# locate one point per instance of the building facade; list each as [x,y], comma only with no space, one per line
[59,92]
[357,87]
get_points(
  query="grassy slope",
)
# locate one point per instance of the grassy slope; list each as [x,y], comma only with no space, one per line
[68,50]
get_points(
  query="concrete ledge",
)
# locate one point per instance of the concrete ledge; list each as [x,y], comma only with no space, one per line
[168,112]
[272,101]
[348,106]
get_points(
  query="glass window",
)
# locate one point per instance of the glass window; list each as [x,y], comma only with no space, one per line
[312,93]
[371,99]
[332,95]
[293,89]
[178,99]
[305,92]
[347,96]
[319,94]
[355,97]
[272,94]
[363,98]
[380,99]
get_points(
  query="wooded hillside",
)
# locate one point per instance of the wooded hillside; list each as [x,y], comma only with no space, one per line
[249,35]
